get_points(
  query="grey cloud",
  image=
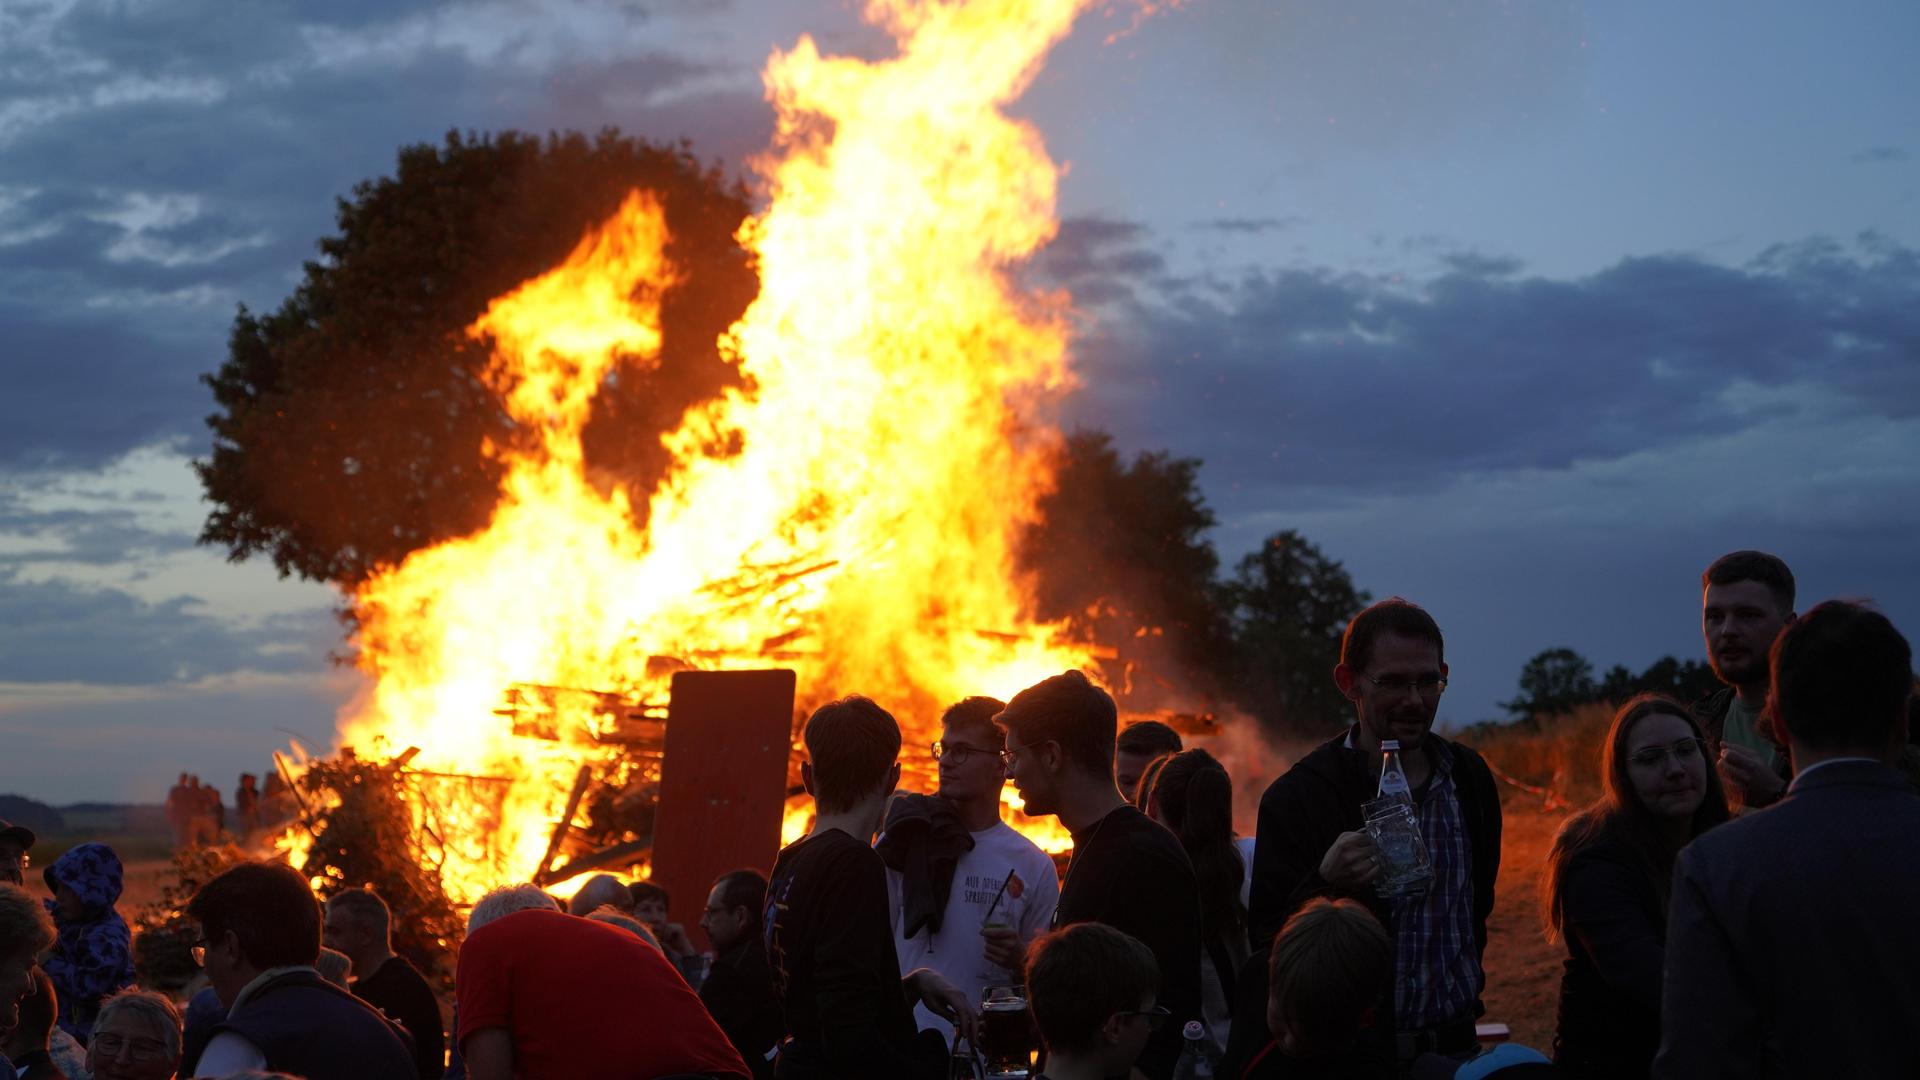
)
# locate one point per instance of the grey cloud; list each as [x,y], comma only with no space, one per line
[1474,264]
[57,632]
[1249,225]
[1879,155]
[1301,383]
[108,327]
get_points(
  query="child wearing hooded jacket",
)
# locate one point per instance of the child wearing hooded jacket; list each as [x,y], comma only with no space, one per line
[93,955]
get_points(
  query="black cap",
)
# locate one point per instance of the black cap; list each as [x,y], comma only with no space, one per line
[19,834]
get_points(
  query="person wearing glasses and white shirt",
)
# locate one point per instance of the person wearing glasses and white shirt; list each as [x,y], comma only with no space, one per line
[1311,842]
[1607,883]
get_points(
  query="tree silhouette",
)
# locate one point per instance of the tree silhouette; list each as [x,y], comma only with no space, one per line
[1120,553]
[350,421]
[1552,683]
[1289,605]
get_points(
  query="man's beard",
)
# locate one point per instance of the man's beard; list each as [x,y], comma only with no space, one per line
[1751,671]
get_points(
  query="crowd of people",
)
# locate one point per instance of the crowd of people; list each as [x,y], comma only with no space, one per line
[1739,902]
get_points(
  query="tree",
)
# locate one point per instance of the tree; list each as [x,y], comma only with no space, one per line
[1685,680]
[1551,684]
[1119,552]
[350,422]
[1290,605]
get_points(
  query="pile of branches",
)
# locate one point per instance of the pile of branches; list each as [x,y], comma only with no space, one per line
[163,935]
[366,834]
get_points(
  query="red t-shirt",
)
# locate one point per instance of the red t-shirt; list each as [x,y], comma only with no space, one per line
[582,998]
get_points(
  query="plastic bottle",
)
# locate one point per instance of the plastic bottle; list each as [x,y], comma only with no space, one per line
[1194,1063]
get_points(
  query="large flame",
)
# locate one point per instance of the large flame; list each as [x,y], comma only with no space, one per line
[888,445]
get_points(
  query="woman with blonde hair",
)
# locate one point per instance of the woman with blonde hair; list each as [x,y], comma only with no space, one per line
[1607,881]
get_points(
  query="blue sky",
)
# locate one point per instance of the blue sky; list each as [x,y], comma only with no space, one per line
[1523,310]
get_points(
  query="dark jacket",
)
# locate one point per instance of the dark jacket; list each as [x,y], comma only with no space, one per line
[1792,947]
[307,1026]
[1616,922]
[36,1065]
[1311,804]
[93,955]
[739,996]
[924,840]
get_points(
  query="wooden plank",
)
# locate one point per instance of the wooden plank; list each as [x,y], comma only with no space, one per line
[723,784]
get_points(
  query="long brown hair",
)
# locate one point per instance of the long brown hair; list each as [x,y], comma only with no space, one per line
[1619,814]
[1194,793]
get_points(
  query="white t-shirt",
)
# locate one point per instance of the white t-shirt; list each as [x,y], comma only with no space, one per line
[958,951]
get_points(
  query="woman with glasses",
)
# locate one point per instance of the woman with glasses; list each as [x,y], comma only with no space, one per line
[1606,887]
[135,1037]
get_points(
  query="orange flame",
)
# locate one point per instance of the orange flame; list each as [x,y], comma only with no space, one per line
[889,446]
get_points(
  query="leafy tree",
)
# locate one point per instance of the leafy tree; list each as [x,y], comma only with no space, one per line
[1552,683]
[1120,553]
[350,422]
[1290,604]
[1686,680]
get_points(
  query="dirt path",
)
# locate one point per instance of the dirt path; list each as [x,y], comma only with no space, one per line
[1523,968]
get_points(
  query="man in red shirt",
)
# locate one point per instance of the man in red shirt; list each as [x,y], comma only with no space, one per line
[546,996]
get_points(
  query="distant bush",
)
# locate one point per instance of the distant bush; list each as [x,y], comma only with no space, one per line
[1558,753]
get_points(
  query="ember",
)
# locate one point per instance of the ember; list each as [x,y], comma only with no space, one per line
[859,527]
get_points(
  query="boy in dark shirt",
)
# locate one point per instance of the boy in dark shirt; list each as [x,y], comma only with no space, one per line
[1091,989]
[1127,871]
[829,933]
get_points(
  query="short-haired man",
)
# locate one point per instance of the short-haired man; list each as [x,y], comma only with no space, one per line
[1746,599]
[738,992]
[259,939]
[1127,871]
[828,932]
[1092,993]
[1311,841]
[1792,947]
[359,924]
[1141,743]
[542,994]
[1000,890]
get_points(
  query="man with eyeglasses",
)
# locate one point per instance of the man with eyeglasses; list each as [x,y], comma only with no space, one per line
[738,992]
[1002,888]
[1311,841]
[1092,992]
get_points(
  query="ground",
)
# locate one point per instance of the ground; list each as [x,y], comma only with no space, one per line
[1523,967]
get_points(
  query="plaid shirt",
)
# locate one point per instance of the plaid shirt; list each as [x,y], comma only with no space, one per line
[1437,969]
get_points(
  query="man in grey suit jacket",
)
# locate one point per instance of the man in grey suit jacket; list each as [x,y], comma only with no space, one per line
[1793,940]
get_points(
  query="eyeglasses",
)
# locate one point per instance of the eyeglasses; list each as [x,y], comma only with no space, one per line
[1425,685]
[960,751]
[1654,756]
[1012,753]
[1156,1017]
[110,1045]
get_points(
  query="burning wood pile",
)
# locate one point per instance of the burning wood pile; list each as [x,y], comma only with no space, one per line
[852,513]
